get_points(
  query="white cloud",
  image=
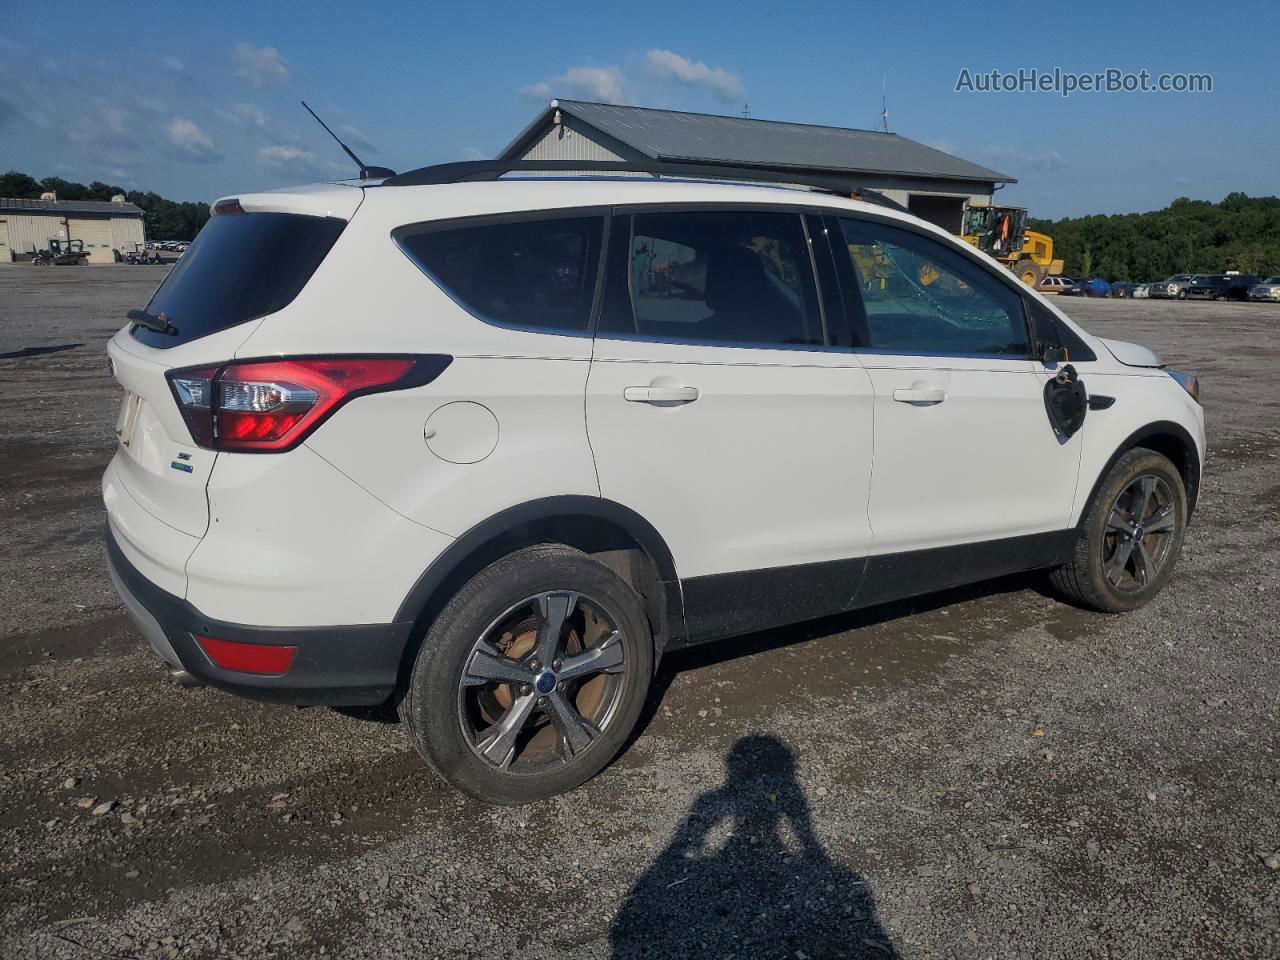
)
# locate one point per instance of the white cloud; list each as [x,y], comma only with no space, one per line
[174,64]
[281,155]
[259,66]
[100,125]
[151,104]
[192,143]
[605,84]
[722,84]
[355,137]
[247,115]
[295,161]
[1041,161]
[946,146]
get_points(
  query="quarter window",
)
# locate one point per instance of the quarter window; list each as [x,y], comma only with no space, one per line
[740,277]
[920,297]
[537,273]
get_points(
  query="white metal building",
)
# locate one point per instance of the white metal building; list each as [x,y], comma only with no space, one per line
[934,185]
[105,227]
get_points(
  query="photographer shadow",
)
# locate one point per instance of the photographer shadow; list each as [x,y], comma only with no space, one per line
[760,893]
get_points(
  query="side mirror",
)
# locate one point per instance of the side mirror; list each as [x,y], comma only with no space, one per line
[1054,354]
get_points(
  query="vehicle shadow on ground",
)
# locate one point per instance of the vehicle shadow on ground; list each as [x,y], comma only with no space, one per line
[745,876]
[682,661]
[695,658]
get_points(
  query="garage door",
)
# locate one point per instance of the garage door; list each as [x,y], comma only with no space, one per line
[945,212]
[5,255]
[96,235]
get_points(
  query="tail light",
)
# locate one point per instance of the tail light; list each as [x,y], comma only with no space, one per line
[273,405]
[248,657]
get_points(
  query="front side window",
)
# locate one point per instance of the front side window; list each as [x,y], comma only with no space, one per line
[740,277]
[538,273]
[920,297]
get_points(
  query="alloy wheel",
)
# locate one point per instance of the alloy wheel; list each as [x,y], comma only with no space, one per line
[1140,533]
[542,683]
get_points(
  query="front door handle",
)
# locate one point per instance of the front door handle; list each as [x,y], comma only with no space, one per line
[660,394]
[920,393]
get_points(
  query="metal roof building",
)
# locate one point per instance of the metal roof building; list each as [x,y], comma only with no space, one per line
[104,226]
[931,183]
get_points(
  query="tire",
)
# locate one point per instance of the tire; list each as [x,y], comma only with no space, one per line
[1029,272]
[1101,575]
[459,727]
[1182,294]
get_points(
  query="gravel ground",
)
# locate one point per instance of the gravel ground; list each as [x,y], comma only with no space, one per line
[983,773]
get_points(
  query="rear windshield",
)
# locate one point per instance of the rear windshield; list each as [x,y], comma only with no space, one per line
[240,266]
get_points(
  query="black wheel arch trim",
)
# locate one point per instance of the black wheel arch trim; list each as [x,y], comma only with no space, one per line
[1190,472]
[568,507]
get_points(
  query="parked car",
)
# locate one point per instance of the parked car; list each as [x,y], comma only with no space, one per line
[1221,286]
[1122,290]
[1268,289]
[1055,284]
[1096,287]
[1172,288]
[1142,291]
[592,422]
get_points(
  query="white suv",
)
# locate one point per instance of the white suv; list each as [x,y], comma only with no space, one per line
[490,445]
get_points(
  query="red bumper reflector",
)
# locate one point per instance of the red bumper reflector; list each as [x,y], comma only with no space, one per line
[248,657]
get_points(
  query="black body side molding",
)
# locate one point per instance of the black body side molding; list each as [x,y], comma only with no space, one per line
[728,604]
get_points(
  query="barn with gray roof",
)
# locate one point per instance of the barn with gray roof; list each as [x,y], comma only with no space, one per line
[931,183]
[107,228]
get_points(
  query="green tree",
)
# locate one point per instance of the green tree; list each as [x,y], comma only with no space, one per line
[1189,236]
[19,186]
[65,189]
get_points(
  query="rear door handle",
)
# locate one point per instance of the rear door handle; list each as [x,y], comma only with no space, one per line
[652,394]
[920,393]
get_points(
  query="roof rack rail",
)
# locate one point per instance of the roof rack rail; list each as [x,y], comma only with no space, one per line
[470,171]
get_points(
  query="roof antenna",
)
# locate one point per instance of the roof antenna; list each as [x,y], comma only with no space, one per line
[746,110]
[884,103]
[366,172]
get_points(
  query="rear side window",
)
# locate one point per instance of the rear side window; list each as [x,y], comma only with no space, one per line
[241,266]
[918,297]
[538,273]
[742,277]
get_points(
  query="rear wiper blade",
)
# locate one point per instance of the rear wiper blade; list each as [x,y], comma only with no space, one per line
[160,324]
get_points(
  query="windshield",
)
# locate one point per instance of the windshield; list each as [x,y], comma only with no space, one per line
[240,266]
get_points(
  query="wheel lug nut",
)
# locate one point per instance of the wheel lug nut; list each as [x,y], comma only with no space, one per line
[555,665]
[542,701]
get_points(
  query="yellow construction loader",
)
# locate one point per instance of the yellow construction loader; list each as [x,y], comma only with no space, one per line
[1002,232]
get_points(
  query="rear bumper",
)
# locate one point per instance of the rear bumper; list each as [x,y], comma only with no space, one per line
[339,666]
